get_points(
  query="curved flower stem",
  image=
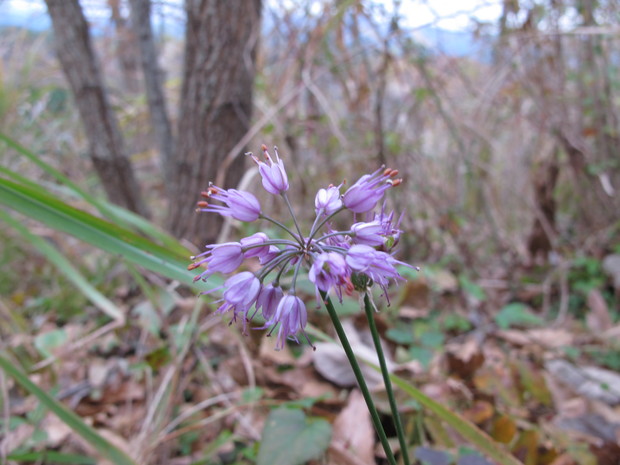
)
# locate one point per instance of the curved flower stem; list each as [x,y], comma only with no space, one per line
[290,209]
[299,239]
[359,377]
[316,228]
[368,307]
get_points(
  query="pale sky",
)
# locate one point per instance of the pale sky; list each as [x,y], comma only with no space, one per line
[446,14]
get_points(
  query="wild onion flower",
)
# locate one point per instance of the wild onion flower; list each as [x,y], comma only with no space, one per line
[369,189]
[275,179]
[335,261]
[370,233]
[327,201]
[220,258]
[240,205]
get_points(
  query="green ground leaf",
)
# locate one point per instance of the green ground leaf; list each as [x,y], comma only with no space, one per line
[50,340]
[291,438]
[516,314]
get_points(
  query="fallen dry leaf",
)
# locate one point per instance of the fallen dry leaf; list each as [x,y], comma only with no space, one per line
[504,429]
[267,352]
[551,338]
[480,412]
[591,382]
[464,359]
[598,318]
[57,431]
[564,459]
[331,361]
[353,433]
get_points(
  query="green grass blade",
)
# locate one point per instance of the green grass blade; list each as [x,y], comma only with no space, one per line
[102,234]
[104,447]
[50,456]
[107,209]
[477,438]
[66,268]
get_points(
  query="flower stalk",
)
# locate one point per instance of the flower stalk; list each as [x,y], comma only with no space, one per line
[368,307]
[348,350]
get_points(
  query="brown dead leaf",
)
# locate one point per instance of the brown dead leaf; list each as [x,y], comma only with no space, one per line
[17,436]
[504,429]
[267,352]
[548,338]
[317,388]
[551,338]
[516,337]
[331,361]
[57,431]
[591,382]
[353,435]
[128,391]
[480,412]
[416,294]
[444,281]
[611,265]
[412,313]
[111,437]
[612,334]
[598,318]
[564,459]
[526,447]
[98,371]
[464,359]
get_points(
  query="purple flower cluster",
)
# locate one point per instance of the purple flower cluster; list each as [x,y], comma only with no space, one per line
[338,261]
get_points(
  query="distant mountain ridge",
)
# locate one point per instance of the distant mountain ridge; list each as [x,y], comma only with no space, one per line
[438,40]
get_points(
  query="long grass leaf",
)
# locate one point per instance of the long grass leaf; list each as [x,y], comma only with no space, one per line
[65,267]
[104,447]
[107,209]
[102,234]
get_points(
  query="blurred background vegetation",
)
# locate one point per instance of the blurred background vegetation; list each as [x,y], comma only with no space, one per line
[505,131]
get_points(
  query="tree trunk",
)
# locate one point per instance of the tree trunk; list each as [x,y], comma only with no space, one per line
[125,47]
[153,79]
[82,70]
[215,106]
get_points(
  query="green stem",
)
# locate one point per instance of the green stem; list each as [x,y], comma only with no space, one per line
[359,377]
[290,209]
[386,378]
[299,239]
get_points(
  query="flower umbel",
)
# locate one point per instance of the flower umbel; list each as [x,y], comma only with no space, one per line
[336,260]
